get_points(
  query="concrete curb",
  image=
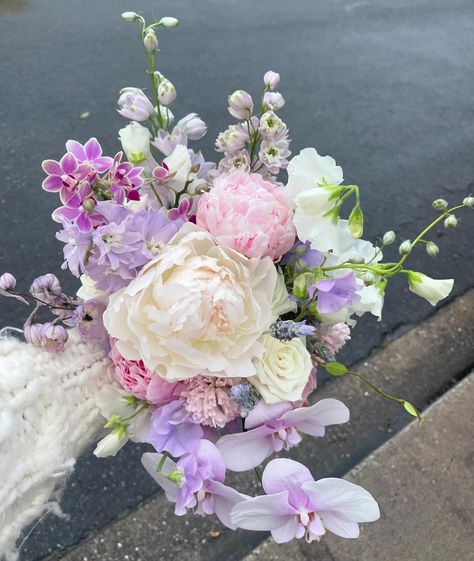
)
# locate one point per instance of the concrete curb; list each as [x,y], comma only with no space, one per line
[419,366]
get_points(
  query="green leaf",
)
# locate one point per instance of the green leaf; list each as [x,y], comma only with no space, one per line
[356,222]
[336,368]
[412,410]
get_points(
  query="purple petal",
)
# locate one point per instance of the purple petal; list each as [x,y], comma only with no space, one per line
[103,164]
[52,167]
[83,223]
[207,452]
[264,513]
[340,527]
[68,164]
[342,499]
[92,149]
[312,420]
[246,450]
[82,171]
[76,149]
[65,214]
[262,413]
[287,475]
[52,184]
[150,462]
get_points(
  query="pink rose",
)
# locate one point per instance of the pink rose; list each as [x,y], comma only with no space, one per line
[244,212]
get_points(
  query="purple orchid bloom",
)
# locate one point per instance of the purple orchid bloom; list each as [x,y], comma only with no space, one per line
[173,430]
[65,176]
[197,482]
[125,179]
[277,427]
[297,506]
[90,153]
[335,294]
[184,210]
[79,209]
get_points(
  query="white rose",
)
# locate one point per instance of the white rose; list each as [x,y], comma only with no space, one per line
[135,141]
[197,307]
[284,370]
[430,289]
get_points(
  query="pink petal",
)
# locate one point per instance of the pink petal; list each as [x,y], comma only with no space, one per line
[52,167]
[92,149]
[246,450]
[69,164]
[312,420]
[52,184]
[225,498]
[76,149]
[103,164]
[342,499]
[262,413]
[340,527]
[263,513]
[82,171]
[150,462]
[283,474]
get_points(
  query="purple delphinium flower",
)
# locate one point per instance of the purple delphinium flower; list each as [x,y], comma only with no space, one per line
[173,430]
[335,294]
[297,506]
[301,257]
[158,229]
[65,176]
[76,249]
[87,318]
[166,141]
[287,330]
[90,153]
[196,482]
[274,428]
[125,179]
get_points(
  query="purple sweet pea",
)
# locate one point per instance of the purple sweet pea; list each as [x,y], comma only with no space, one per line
[90,153]
[335,294]
[173,430]
[277,427]
[197,482]
[65,176]
[297,506]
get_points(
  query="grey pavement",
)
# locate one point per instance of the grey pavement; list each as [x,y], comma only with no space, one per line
[423,482]
[385,87]
[405,368]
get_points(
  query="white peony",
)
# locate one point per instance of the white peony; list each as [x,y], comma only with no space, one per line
[135,141]
[430,289]
[197,308]
[283,371]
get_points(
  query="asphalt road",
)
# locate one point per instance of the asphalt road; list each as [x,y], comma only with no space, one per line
[385,87]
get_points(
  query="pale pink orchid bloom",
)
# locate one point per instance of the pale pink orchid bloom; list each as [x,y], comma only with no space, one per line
[297,506]
[277,427]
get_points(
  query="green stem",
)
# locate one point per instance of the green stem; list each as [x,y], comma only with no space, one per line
[162,461]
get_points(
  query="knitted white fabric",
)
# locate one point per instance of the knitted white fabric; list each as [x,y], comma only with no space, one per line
[48,415]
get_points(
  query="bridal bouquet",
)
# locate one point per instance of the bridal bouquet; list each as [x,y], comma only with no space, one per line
[218,291]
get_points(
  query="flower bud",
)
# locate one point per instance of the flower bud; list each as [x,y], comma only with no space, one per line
[389,237]
[53,337]
[169,22]
[134,104]
[7,282]
[46,288]
[151,41]
[129,16]
[368,278]
[451,222]
[194,127]
[166,92]
[240,104]
[405,247]
[469,201]
[440,205]
[33,334]
[110,445]
[177,477]
[271,80]
[273,101]
[166,114]
[432,249]
[88,205]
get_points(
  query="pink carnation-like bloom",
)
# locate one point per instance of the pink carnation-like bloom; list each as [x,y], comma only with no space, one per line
[334,337]
[208,400]
[246,213]
[133,375]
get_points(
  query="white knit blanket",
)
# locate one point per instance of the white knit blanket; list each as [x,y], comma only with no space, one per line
[48,415]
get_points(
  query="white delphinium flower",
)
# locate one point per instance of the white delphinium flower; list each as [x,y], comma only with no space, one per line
[240,104]
[235,162]
[273,101]
[134,104]
[274,153]
[194,127]
[232,139]
[271,80]
[166,92]
[271,126]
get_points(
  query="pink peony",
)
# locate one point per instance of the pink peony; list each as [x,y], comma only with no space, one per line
[244,212]
[208,400]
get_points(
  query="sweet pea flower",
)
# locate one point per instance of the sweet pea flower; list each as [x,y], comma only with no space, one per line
[430,289]
[173,430]
[196,482]
[297,506]
[134,104]
[65,176]
[273,428]
[90,153]
[334,294]
[248,214]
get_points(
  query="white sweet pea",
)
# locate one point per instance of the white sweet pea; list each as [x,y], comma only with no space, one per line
[135,141]
[179,164]
[322,231]
[283,371]
[430,289]
[308,169]
[110,445]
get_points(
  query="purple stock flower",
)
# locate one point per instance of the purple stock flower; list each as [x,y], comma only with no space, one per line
[64,176]
[87,318]
[274,428]
[90,153]
[297,506]
[125,179]
[335,294]
[196,482]
[173,430]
